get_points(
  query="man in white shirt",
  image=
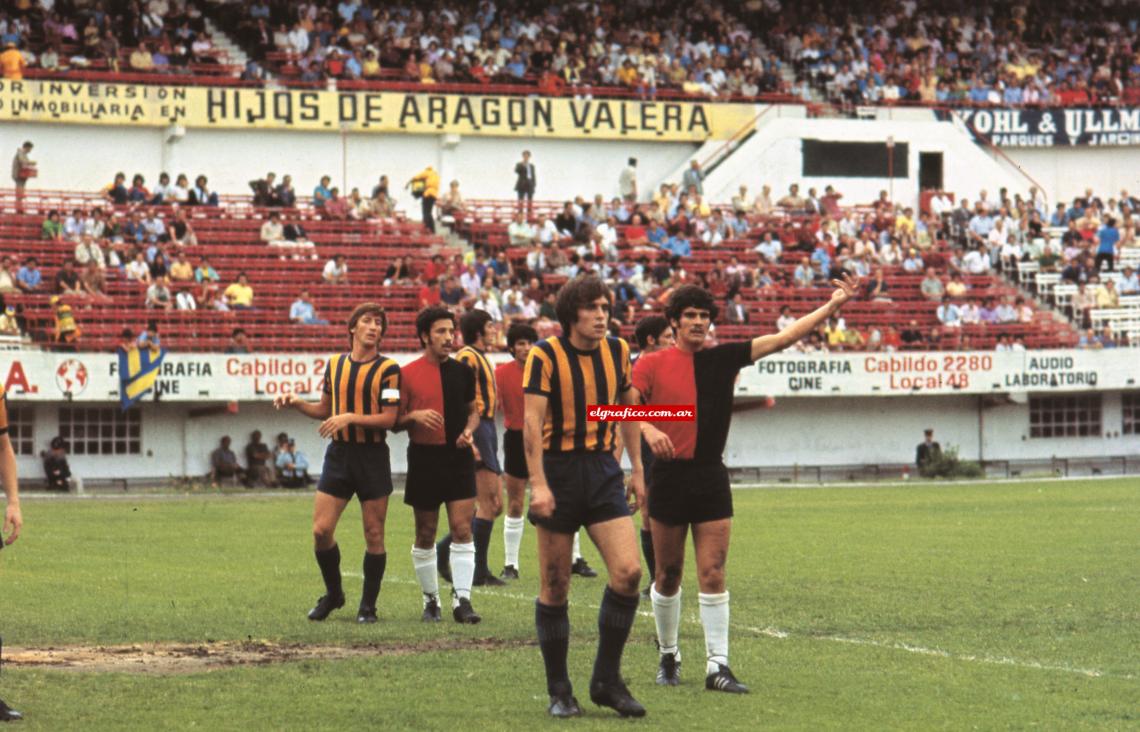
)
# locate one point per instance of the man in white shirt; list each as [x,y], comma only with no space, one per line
[948,314]
[770,248]
[520,233]
[470,282]
[336,270]
[977,261]
[1129,283]
[627,181]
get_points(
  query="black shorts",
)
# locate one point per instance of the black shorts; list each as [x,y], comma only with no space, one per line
[685,492]
[438,474]
[588,488]
[487,440]
[514,455]
[361,469]
[647,460]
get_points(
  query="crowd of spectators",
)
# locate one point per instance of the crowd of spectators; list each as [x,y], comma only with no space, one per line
[948,52]
[284,466]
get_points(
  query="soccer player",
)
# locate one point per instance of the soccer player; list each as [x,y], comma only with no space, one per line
[359,401]
[477,329]
[509,385]
[576,481]
[13,519]
[439,410]
[690,482]
[652,333]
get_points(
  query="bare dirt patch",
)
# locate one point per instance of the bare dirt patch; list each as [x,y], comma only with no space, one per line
[186,658]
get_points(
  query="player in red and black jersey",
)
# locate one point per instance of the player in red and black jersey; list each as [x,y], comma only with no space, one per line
[439,410]
[13,519]
[359,402]
[509,385]
[690,485]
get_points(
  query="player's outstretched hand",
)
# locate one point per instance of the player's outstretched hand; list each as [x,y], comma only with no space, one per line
[846,288]
[427,418]
[332,425]
[13,522]
[285,400]
[541,500]
[658,442]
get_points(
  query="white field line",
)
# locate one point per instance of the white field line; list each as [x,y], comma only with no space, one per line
[775,633]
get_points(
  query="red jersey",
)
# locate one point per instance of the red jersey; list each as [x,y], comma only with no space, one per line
[509,379]
[448,388]
[705,379]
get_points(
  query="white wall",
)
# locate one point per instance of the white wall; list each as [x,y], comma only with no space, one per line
[72,157]
[804,431]
[1065,173]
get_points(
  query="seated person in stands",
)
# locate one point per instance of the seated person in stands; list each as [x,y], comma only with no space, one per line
[138,192]
[969,313]
[302,312]
[239,295]
[1106,338]
[987,313]
[66,331]
[400,272]
[28,277]
[56,469]
[1129,282]
[163,193]
[322,192]
[1090,340]
[336,207]
[182,270]
[452,203]
[138,269]
[977,261]
[336,270]
[116,192]
[769,248]
[224,463]
[913,263]
[297,241]
[205,273]
[292,467]
[452,293]
[257,456]
[911,336]
[877,288]
[1106,295]
[141,59]
[239,343]
[520,233]
[67,280]
[1023,310]
[88,250]
[948,314]
[359,207]
[804,276]
[1048,259]
[51,229]
[201,195]
[272,231]
[956,287]
[93,280]
[159,296]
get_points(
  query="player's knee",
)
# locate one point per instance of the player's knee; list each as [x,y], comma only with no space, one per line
[374,536]
[515,508]
[711,577]
[626,578]
[461,534]
[323,535]
[425,537]
[555,587]
[668,579]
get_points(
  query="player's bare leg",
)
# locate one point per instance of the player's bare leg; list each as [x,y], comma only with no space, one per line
[326,513]
[459,516]
[711,542]
[423,561]
[615,540]
[513,525]
[665,593]
[373,513]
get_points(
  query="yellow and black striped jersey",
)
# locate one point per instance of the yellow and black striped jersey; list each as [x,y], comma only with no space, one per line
[485,387]
[574,380]
[361,387]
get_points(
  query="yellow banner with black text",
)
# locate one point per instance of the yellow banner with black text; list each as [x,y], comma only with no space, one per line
[381,111]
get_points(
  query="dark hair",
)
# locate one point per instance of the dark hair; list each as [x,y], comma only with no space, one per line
[690,296]
[651,327]
[521,332]
[236,332]
[367,308]
[126,333]
[428,317]
[579,292]
[471,325]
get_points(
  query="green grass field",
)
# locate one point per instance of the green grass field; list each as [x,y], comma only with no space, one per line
[916,607]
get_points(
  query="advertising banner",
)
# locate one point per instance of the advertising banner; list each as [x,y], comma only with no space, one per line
[1054,127]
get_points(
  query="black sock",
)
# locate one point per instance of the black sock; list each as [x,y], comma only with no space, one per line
[615,618]
[443,552]
[374,565]
[647,550]
[329,562]
[553,625]
[482,529]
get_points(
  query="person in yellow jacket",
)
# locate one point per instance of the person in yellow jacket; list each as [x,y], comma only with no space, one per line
[425,186]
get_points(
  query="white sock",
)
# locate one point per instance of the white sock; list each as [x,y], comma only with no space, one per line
[423,560]
[714,616]
[667,613]
[462,571]
[512,538]
[577,547]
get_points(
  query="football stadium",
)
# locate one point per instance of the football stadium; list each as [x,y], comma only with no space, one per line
[485,363]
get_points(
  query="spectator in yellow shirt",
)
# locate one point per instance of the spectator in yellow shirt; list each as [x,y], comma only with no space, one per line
[239,295]
[425,186]
[12,63]
[1107,296]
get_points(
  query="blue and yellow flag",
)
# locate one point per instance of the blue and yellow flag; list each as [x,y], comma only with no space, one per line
[138,370]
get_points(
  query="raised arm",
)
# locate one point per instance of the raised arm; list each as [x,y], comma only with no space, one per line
[765,345]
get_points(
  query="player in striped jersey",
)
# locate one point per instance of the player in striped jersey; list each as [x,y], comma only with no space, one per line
[359,402]
[478,331]
[576,481]
[13,519]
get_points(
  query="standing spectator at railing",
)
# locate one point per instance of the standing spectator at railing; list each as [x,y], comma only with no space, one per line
[425,186]
[23,167]
[322,192]
[179,193]
[264,190]
[1107,239]
[526,181]
[1084,300]
[627,181]
[163,192]
[284,195]
[138,192]
[693,178]
[116,191]
[12,62]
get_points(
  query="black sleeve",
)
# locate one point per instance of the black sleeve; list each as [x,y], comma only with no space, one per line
[729,358]
[468,385]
